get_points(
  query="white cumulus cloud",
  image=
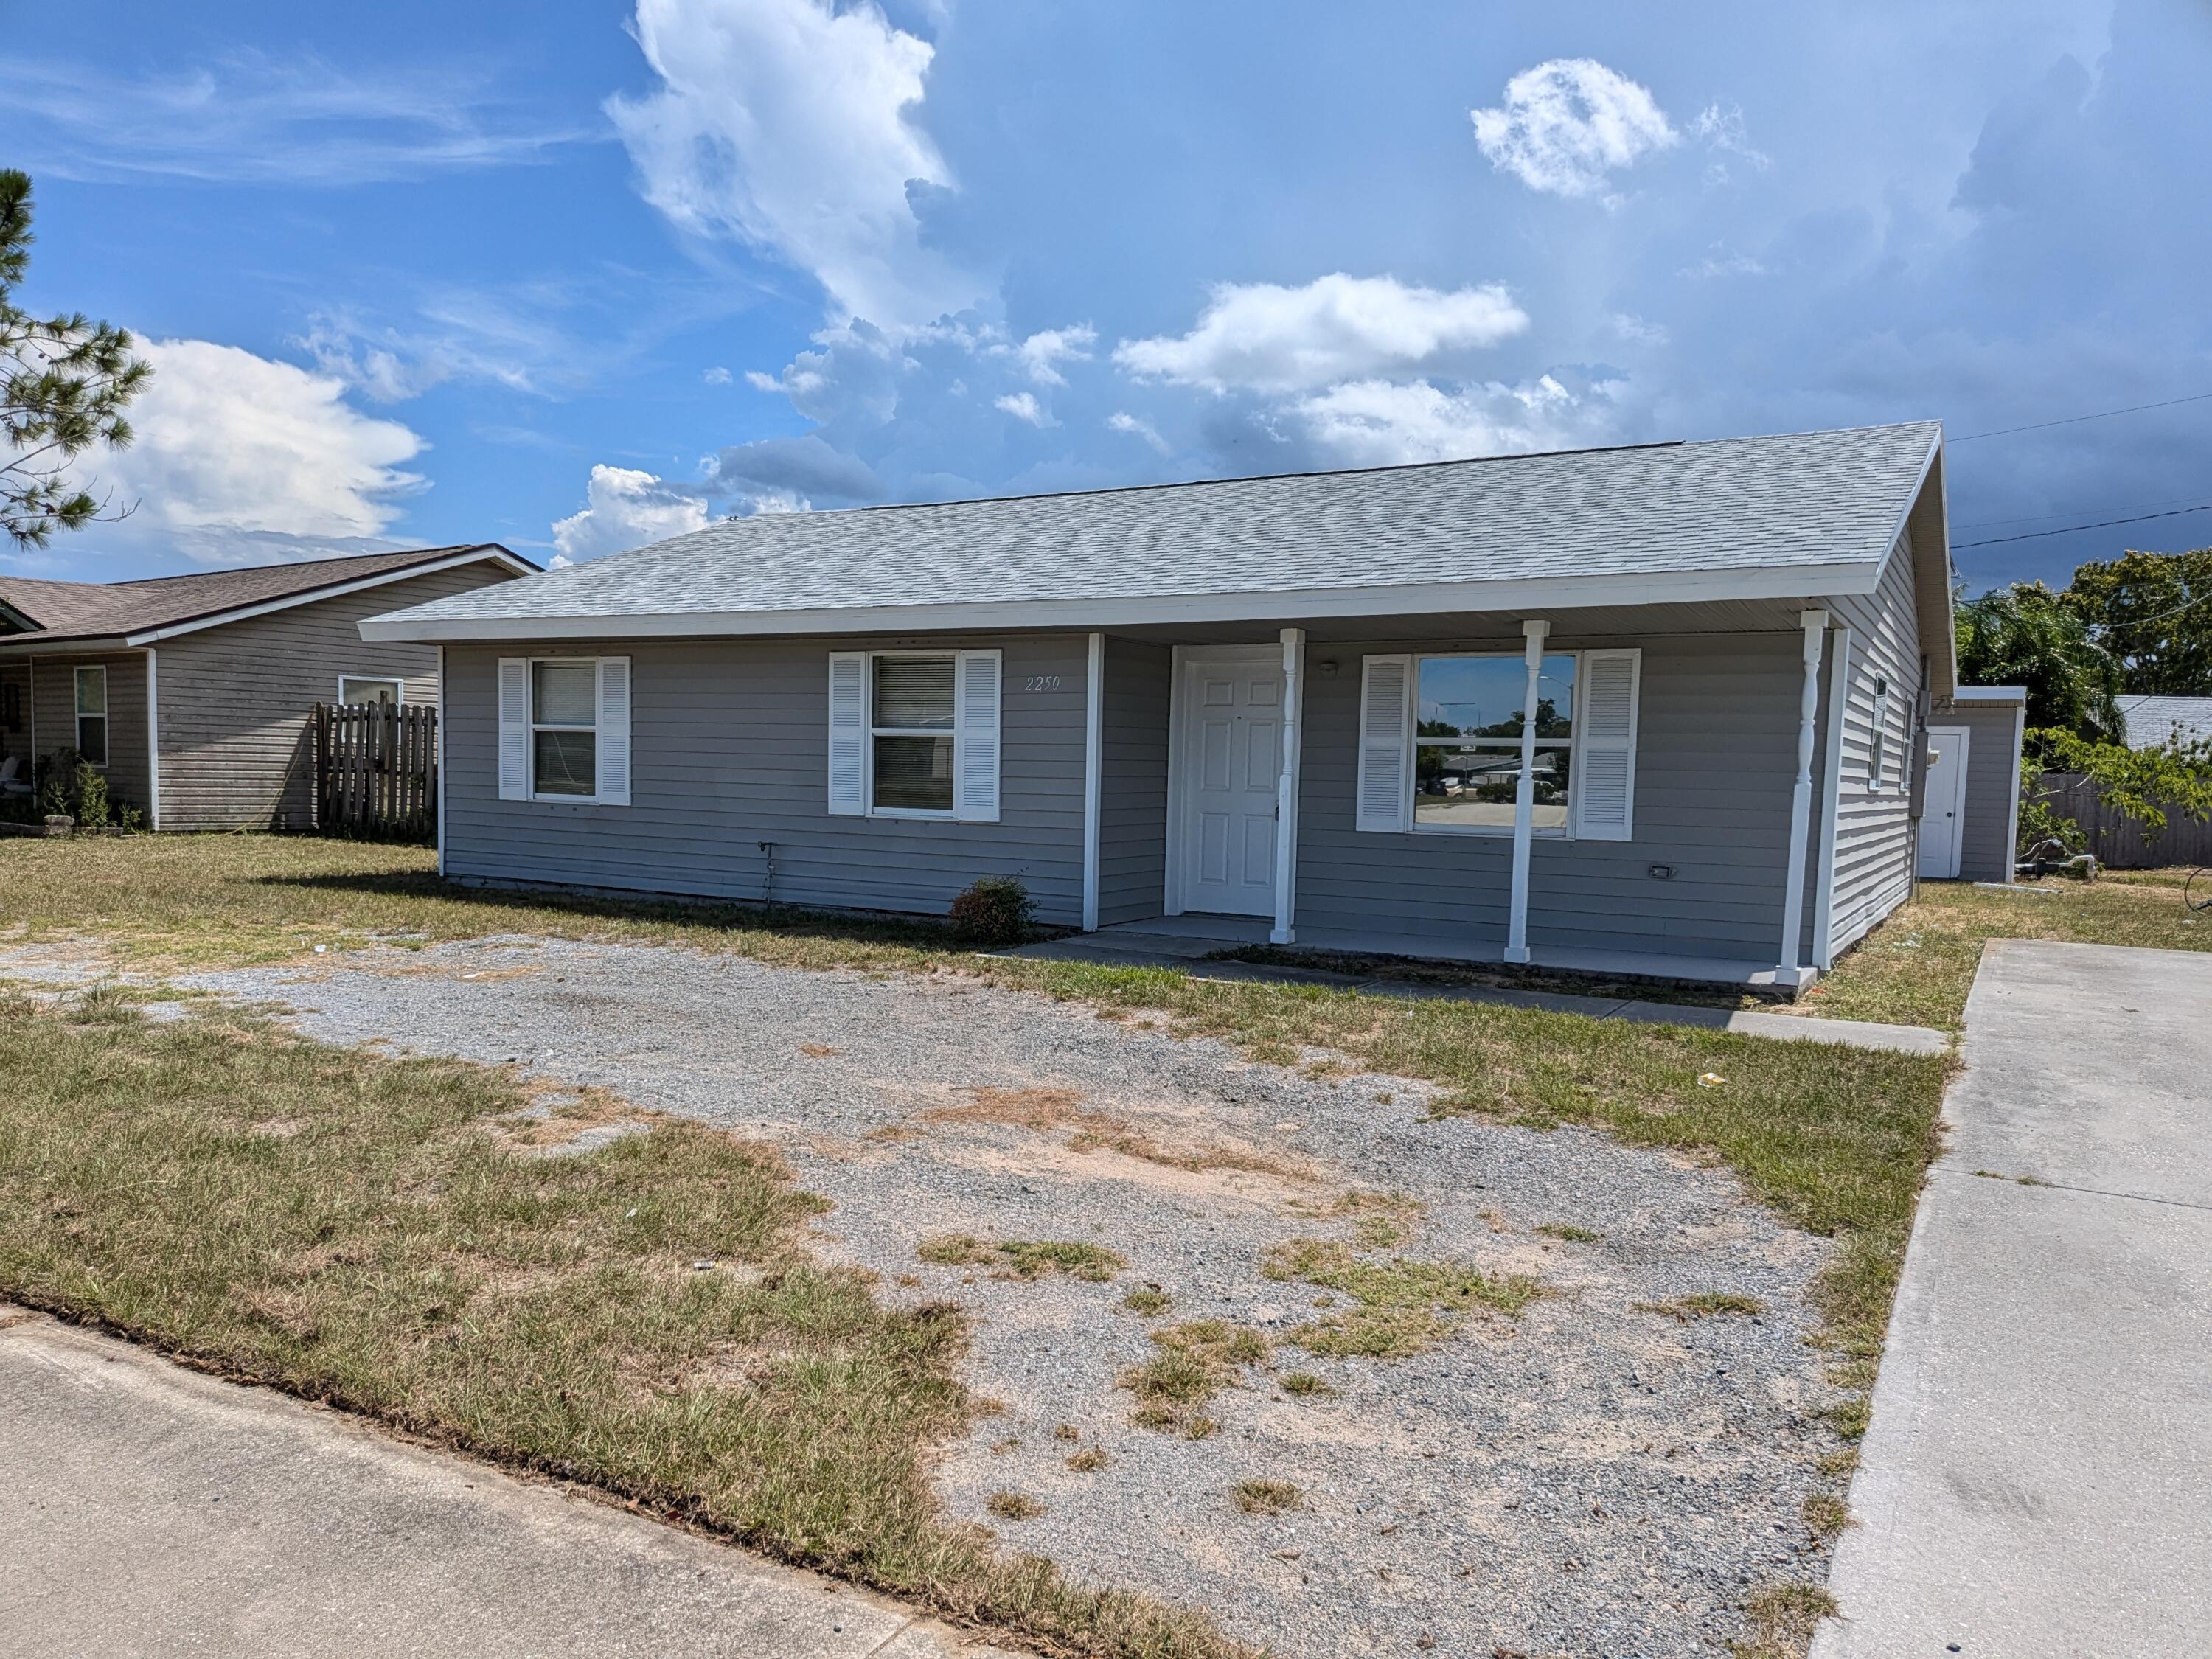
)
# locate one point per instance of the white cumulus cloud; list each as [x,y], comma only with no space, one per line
[1264,338]
[1042,353]
[1024,406]
[1384,423]
[790,124]
[625,509]
[240,458]
[1566,125]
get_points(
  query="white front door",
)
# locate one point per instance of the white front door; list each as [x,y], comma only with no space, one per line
[1943,815]
[1224,821]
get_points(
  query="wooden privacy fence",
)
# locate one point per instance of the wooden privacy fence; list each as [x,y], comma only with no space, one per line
[376,770]
[2119,841]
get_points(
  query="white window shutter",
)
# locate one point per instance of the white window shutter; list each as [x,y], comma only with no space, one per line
[1386,743]
[613,746]
[849,732]
[975,738]
[1605,746]
[514,728]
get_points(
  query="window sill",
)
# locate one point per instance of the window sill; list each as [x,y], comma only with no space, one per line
[943,816]
[564,800]
[1486,832]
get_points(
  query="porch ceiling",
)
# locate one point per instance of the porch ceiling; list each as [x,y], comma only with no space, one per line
[1704,616]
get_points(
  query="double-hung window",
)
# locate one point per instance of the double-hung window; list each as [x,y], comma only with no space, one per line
[564,729]
[1468,719]
[911,733]
[92,714]
[915,735]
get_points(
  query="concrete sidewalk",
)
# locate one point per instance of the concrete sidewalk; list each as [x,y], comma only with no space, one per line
[2038,1478]
[1126,948]
[145,1508]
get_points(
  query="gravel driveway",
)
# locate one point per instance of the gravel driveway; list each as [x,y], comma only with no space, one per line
[1591,1477]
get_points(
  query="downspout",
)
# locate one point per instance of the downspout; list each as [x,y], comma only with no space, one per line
[1789,973]
[1284,931]
[1831,795]
[1524,794]
[1094,731]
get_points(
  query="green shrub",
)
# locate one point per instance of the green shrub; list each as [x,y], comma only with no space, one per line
[90,791]
[995,910]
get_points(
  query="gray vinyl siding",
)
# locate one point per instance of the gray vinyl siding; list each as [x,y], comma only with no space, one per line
[730,749]
[1985,849]
[236,699]
[1134,781]
[55,714]
[1716,759]
[1875,831]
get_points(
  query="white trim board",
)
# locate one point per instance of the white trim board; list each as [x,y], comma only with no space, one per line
[1550,593]
[153,746]
[1094,738]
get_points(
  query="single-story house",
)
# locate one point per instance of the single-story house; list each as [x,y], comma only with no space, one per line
[194,694]
[1290,709]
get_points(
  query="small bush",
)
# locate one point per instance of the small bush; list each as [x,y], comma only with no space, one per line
[995,910]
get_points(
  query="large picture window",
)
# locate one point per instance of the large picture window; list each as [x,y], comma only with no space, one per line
[911,731]
[92,714]
[1468,717]
[564,739]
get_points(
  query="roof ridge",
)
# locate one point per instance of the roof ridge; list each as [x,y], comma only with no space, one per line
[294,564]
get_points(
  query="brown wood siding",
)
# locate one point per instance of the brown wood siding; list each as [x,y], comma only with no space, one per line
[235,700]
[55,713]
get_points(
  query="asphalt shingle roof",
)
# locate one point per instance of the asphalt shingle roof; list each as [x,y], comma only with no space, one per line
[66,610]
[2152,720]
[1735,504]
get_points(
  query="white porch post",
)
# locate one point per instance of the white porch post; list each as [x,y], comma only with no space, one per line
[1790,972]
[152,744]
[1525,795]
[1094,734]
[1284,931]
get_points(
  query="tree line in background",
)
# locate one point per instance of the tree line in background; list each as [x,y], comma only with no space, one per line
[2140,623]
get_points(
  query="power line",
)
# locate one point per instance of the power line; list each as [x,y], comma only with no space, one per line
[2068,530]
[2072,419]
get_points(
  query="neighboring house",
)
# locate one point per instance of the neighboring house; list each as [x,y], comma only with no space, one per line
[1246,709]
[2152,720]
[193,693]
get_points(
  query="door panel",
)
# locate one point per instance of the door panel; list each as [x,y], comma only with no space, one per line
[1942,821]
[1233,751]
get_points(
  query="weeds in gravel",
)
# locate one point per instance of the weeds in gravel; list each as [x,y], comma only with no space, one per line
[1826,1517]
[1398,1308]
[1705,1304]
[1782,1618]
[1014,1506]
[1267,1497]
[1148,1301]
[1567,1232]
[339,1225]
[1196,1361]
[1022,1258]
[1089,1461]
[1304,1385]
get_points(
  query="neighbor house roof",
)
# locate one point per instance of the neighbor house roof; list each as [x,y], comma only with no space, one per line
[2152,720]
[54,613]
[1740,518]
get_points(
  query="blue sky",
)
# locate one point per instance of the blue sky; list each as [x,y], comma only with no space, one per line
[573,276]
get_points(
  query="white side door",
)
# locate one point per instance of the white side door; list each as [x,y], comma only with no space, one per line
[1943,818]
[1232,752]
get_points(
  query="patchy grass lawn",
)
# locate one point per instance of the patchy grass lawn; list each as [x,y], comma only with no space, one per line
[642,1316]
[1837,1140]
[1916,968]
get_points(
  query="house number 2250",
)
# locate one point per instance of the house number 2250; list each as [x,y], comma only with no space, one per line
[1041,683]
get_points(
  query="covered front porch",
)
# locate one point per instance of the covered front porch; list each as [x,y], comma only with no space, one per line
[1322,787]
